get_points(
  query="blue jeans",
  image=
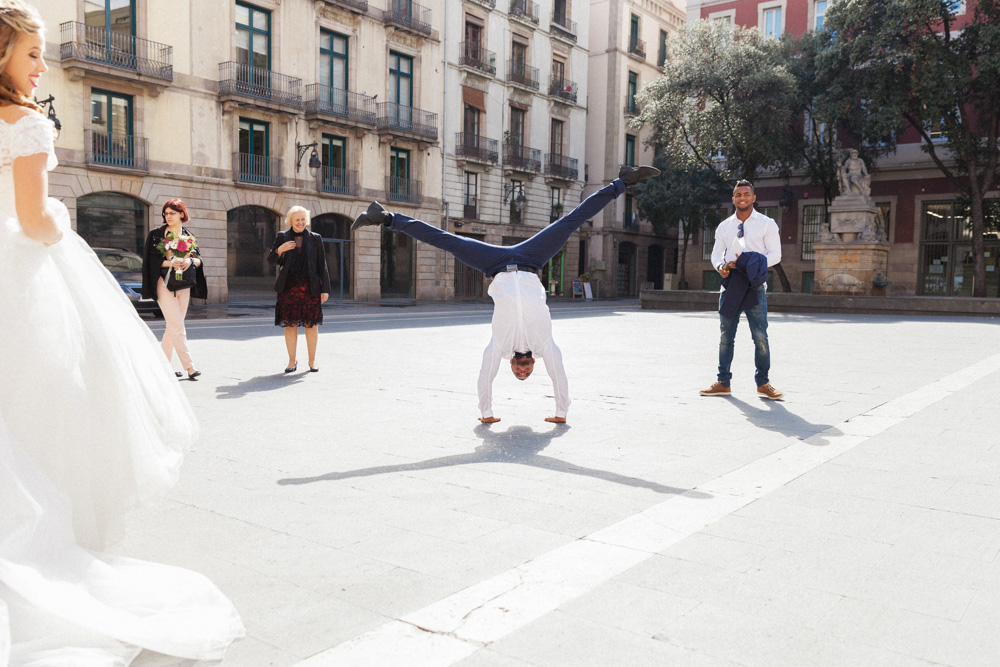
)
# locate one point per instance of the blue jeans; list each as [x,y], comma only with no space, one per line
[530,254]
[757,319]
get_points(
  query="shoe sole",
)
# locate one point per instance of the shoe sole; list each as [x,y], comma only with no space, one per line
[770,398]
[716,393]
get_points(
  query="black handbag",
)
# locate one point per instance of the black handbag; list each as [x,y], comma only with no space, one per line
[187,281]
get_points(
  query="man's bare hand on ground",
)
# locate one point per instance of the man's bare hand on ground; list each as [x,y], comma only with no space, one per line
[489,420]
[556,420]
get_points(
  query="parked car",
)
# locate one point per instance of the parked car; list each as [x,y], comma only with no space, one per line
[126,267]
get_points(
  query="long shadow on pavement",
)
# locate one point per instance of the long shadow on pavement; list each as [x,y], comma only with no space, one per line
[259,383]
[777,418]
[518,445]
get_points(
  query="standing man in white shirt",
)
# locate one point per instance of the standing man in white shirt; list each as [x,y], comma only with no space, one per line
[747,229]
[522,326]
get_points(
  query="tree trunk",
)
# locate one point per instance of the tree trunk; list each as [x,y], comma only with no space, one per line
[682,274]
[978,226]
[785,286]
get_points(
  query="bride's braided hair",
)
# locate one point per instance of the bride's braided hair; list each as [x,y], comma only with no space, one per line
[16,18]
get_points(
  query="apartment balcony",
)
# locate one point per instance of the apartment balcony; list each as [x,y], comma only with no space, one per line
[408,17]
[326,103]
[561,167]
[478,59]
[337,181]
[563,28]
[353,6]
[522,158]
[524,11]
[478,148]
[403,190]
[116,151]
[248,86]
[257,169]
[89,50]
[632,108]
[470,208]
[407,122]
[563,89]
[522,75]
[637,48]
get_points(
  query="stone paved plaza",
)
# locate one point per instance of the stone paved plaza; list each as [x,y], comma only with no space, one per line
[362,515]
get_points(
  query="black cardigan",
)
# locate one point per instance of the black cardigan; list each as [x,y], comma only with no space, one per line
[312,245]
[152,261]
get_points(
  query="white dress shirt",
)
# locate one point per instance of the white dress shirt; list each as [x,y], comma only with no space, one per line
[521,323]
[760,234]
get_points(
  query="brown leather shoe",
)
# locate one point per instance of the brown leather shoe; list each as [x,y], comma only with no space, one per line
[768,391]
[717,389]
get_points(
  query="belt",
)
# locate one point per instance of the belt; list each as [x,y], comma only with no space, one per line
[515,267]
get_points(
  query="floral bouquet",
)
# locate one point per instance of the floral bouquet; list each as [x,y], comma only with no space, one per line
[177,245]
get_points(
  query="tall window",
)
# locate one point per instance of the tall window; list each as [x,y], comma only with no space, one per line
[519,62]
[113,15]
[813,218]
[556,137]
[400,79]
[471,195]
[399,174]
[630,150]
[946,258]
[661,57]
[253,36]
[517,126]
[820,11]
[558,70]
[473,35]
[630,217]
[333,60]
[555,199]
[633,33]
[772,22]
[334,157]
[633,88]
[254,151]
[112,139]
[559,11]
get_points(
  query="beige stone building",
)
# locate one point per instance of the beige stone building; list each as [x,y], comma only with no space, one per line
[244,109]
[627,49]
[514,126]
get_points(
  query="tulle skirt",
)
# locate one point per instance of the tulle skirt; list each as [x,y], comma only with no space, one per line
[92,421]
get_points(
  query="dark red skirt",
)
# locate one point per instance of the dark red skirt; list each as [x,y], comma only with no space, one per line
[297,307]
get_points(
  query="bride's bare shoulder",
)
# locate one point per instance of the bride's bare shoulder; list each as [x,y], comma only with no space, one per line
[12,113]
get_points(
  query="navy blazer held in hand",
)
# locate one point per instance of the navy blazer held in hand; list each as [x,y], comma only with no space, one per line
[312,246]
[742,283]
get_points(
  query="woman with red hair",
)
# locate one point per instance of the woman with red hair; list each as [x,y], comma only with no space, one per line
[172,280]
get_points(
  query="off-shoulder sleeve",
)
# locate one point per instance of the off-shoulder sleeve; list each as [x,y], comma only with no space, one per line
[34,134]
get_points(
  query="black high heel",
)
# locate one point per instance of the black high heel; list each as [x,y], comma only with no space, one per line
[292,369]
[178,374]
[193,374]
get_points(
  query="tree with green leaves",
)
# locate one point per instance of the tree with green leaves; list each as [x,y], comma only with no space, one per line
[725,104]
[916,65]
[679,199]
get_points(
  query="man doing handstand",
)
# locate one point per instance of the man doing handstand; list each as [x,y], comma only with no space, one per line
[522,326]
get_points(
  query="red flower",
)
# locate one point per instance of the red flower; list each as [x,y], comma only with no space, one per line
[182,245]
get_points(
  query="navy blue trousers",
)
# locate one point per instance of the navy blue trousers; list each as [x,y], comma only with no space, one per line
[530,254]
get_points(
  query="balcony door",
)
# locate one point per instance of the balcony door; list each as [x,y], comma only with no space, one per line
[334,159]
[399,174]
[401,89]
[253,50]
[254,163]
[333,62]
[110,32]
[112,138]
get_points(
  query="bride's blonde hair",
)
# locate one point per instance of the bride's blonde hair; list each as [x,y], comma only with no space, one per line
[16,19]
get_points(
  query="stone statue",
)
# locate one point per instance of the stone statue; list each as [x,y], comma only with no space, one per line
[853,176]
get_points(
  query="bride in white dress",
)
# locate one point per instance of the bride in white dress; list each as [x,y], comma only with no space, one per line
[92,421]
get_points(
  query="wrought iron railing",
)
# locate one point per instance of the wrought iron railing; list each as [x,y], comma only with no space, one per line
[563,25]
[402,190]
[259,83]
[341,103]
[116,49]
[124,151]
[520,73]
[477,147]
[472,55]
[637,47]
[392,116]
[409,14]
[259,169]
[337,181]
[522,157]
[561,87]
[561,166]
[523,9]
[632,108]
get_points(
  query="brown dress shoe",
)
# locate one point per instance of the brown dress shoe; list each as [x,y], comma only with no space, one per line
[717,389]
[768,391]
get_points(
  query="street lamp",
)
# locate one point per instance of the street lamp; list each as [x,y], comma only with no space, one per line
[314,162]
[51,115]
[508,193]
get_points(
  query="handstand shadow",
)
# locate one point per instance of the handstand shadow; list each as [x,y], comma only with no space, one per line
[778,418]
[258,384]
[520,445]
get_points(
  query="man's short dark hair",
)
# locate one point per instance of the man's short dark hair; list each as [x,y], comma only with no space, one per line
[744,183]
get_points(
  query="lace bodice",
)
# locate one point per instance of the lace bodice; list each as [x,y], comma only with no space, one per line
[29,135]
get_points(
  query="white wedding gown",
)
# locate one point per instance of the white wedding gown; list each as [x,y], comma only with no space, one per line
[92,421]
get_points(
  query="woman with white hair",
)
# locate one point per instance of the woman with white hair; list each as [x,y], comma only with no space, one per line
[303,284]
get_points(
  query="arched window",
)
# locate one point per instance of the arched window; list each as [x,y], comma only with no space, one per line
[112,220]
[250,231]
